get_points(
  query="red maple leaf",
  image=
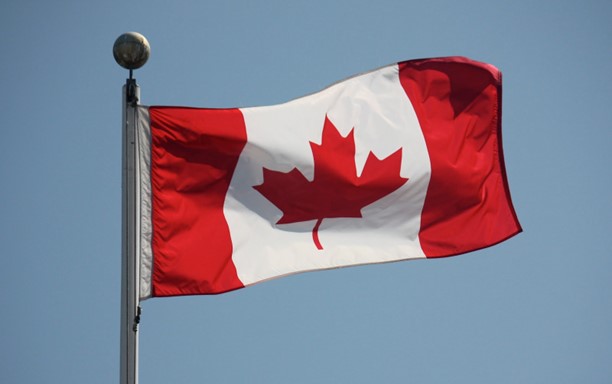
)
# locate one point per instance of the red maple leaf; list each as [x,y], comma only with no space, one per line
[336,190]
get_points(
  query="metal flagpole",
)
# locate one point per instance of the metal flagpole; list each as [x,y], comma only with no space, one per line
[131,51]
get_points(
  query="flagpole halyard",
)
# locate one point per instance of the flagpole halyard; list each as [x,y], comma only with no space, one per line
[131,51]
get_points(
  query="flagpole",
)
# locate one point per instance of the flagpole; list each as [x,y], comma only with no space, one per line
[131,51]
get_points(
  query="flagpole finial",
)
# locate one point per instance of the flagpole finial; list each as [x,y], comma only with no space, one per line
[131,50]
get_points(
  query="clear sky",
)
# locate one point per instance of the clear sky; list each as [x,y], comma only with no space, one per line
[535,309]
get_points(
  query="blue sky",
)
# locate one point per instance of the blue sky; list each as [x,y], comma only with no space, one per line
[535,309]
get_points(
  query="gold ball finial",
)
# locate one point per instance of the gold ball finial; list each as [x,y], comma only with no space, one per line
[131,50]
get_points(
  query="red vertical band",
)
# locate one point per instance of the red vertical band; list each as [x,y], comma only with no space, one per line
[194,153]
[458,105]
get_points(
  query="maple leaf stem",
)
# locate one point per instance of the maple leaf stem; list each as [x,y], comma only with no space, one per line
[315,234]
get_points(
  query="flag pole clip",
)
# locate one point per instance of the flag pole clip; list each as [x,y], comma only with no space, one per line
[131,94]
[137,319]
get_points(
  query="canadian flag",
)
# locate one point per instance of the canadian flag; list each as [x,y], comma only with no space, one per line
[402,162]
